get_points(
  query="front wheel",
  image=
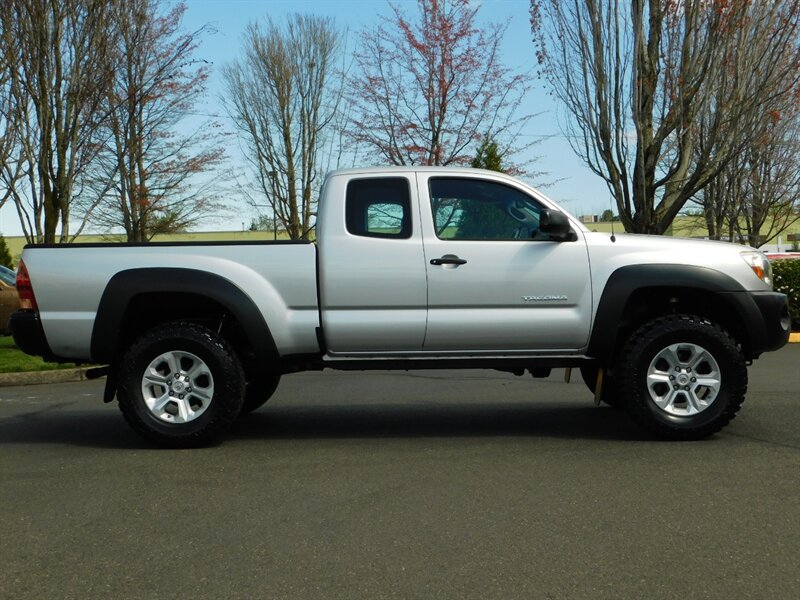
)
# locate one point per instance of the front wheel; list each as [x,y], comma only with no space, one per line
[180,385]
[682,377]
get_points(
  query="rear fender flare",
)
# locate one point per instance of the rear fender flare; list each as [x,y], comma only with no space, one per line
[125,286]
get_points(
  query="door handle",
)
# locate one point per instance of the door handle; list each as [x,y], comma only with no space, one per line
[448,259]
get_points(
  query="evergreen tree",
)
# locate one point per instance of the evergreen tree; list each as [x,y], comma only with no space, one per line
[5,255]
[488,156]
[485,221]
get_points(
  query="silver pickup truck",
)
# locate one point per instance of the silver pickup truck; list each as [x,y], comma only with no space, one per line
[415,268]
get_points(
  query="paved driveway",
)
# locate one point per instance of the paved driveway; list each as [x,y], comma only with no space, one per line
[396,485]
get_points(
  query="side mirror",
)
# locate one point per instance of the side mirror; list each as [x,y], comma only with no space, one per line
[557,226]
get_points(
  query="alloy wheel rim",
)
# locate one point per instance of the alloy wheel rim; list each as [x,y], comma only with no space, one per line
[177,387]
[683,379]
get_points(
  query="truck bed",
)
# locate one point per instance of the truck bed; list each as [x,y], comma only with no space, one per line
[70,280]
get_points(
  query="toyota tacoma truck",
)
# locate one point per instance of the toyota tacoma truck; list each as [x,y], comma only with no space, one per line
[414,268]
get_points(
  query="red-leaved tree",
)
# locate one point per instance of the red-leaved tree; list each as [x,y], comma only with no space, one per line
[429,86]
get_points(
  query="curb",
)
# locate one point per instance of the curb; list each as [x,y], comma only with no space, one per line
[794,338]
[36,377]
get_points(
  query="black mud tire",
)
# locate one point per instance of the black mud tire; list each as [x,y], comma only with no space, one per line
[693,332]
[258,391]
[610,394]
[226,381]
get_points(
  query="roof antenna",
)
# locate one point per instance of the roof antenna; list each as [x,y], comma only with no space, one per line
[613,237]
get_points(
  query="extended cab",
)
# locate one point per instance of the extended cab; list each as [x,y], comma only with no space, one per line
[415,268]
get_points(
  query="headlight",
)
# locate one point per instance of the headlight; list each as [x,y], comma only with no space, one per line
[760,265]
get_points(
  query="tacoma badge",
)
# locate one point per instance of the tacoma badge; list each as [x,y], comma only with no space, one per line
[544,298]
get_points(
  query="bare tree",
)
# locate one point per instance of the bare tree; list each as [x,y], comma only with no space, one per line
[282,97]
[721,200]
[10,165]
[19,133]
[757,196]
[772,193]
[639,77]
[754,198]
[428,87]
[57,53]
[146,178]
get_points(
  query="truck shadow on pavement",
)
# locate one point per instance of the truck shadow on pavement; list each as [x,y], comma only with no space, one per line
[437,420]
[105,427]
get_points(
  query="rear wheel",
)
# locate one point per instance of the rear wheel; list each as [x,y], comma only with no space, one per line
[180,385]
[682,377]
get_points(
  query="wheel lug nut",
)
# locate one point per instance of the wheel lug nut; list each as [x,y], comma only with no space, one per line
[694,379]
[672,377]
[186,379]
[675,387]
[688,369]
[686,388]
[171,393]
[189,390]
[180,397]
[677,369]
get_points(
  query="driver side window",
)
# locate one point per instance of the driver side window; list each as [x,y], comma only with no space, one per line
[473,209]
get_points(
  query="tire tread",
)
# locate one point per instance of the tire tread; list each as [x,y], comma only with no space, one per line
[228,400]
[636,402]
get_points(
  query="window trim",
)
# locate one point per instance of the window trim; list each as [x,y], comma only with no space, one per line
[482,180]
[407,223]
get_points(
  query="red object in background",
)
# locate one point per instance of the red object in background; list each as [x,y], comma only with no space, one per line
[782,255]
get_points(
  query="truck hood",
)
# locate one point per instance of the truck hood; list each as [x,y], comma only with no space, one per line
[663,242]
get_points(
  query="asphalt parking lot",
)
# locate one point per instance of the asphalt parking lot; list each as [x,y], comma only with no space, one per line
[403,485]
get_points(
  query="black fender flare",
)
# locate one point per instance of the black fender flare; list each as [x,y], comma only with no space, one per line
[126,285]
[627,280]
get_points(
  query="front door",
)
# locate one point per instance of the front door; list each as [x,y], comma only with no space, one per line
[495,283]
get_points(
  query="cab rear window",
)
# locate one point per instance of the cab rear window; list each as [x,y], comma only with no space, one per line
[379,207]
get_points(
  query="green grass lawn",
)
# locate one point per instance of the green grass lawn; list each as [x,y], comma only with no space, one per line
[13,360]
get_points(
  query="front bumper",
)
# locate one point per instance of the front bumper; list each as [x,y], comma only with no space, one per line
[774,309]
